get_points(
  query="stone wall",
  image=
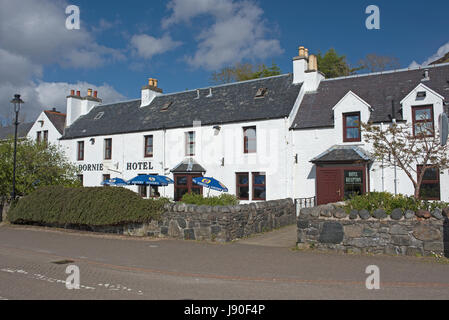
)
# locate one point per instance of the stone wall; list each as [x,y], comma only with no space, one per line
[329,227]
[4,207]
[221,223]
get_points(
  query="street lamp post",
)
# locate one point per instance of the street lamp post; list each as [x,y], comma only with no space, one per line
[16,102]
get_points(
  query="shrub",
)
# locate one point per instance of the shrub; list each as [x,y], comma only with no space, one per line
[222,200]
[389,202]
[85,206]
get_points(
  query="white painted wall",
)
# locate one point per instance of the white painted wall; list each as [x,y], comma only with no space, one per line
[271,156]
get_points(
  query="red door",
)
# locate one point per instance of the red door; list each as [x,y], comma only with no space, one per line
[329,186]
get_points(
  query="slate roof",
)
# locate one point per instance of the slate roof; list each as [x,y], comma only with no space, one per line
[342,154]
[188,165]
[57,118]
[22,131]
[229,103]
[316,109]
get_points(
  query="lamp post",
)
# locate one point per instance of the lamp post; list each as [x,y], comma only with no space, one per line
[16,102]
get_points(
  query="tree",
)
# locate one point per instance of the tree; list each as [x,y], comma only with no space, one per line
[333,65]
[397,145]
[243,72]
[375,63]
[38,165]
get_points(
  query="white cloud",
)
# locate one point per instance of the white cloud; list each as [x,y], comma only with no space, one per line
[238,31]
[438,55]
[147,46]
[36,30]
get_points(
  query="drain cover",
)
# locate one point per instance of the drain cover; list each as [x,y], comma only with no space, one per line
[63,262]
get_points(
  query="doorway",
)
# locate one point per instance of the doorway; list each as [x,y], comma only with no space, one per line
[184,184]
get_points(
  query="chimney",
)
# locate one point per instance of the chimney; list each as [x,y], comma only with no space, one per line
[300,65]
[305,70]
[150,92]
[95,94]
[78,106]
[72,92]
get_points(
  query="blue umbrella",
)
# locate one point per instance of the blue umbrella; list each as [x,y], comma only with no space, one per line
[145,180]
[210,183]
[114,182]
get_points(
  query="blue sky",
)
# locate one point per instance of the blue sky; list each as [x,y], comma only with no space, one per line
[181,42]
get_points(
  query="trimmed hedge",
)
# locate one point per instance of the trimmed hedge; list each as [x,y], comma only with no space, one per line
[389,202]
[101,206]
[222,200]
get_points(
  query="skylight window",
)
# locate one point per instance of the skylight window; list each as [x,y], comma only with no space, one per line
[99,115]
[167,105]
[261,92]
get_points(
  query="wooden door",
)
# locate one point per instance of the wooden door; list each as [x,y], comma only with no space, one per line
[329,186]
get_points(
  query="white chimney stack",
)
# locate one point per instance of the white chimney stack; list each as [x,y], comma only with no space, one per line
[78,106]
[150,92]
[305,70]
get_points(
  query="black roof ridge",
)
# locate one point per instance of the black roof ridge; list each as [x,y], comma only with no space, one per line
[388,72]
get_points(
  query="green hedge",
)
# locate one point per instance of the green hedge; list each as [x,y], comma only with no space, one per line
[389,202]
[102,206]
[222,200]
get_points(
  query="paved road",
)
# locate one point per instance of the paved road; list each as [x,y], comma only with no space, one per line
[121,268]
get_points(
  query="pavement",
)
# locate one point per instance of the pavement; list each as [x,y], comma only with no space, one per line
[260,268]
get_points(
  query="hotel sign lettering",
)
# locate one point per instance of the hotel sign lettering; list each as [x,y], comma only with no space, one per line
[353,177]
[130,166]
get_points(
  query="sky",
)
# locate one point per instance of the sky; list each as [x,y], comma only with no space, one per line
[120,44]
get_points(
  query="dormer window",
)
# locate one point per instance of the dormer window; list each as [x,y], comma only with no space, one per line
[261,93]
[351,127]
[166,106]
[423,123]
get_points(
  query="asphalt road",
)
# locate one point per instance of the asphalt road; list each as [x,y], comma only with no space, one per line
[113,267]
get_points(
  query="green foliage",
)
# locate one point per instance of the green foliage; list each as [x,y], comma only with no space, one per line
[333,65]
[389,202]
[243,72]
[100,206]
[222,200]
[38,165]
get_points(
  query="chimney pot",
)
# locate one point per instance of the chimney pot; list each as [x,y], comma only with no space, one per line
[301,52]
[150,82]
[72,92]
[53,109]
[155,83]
[306,53]
[78,93]
[89,92]
[95,93]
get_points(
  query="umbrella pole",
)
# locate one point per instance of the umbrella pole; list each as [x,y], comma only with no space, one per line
[208,192]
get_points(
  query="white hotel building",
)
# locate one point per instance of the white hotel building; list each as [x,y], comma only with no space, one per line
[272,138]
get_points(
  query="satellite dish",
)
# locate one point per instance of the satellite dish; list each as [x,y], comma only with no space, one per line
[444,131]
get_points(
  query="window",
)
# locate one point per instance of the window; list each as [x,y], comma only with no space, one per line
[99,115]
[106,177]
[250,140]
[154,192]
[46,136]
[80,151]
[148,147]
[430,186]
[351,127]
[353,183]
[166,106]
[242,186]
[107,149]
[423,121]
[261,92]
[184,184]
[259,186]
[81,179]
[190,143]
[143,189]
[38,138]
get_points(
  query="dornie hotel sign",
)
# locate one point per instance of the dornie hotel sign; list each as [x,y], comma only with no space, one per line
[130,166]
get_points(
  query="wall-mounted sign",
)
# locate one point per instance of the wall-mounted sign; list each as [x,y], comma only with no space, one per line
[139,166]
[91,167]
[353,177]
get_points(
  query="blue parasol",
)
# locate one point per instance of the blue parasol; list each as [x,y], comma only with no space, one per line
[145,180]
[210,183]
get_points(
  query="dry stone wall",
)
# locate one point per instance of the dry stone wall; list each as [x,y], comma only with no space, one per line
[329,227]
